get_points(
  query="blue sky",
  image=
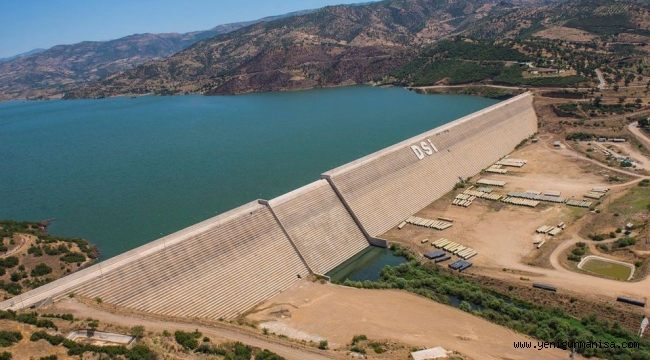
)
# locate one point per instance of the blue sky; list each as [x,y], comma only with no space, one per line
[29,24]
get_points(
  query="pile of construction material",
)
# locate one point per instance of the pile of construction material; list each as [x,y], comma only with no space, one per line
[460,265]
[538,197]
[437,256]
[490,182]
[455,248]
[579,203]
[519,201]
[463,200]
[594,195]
[482,195]
[512,162]
[434,224]
[550,230]
[552,193]
[497,169]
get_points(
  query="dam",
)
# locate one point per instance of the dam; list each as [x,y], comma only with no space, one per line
[222,267]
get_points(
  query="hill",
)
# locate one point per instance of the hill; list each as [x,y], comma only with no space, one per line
[336,45]
[561,42]
[47,73]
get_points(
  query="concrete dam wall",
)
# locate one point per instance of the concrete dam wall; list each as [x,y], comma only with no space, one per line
[386,187]
[222,267]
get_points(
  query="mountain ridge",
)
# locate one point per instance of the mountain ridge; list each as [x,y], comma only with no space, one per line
[49,72]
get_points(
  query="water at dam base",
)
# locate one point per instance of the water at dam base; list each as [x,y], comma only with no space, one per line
[122,172]
[366,265]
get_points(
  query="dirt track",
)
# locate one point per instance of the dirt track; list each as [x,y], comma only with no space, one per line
[283,348]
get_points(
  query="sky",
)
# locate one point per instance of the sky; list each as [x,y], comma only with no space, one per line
[30,24]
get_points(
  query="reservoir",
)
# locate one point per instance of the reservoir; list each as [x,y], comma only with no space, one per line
[121,172]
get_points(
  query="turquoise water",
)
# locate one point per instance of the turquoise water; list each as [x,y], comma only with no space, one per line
[366,265]
[121,172]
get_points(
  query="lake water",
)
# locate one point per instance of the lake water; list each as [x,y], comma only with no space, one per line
[121,172]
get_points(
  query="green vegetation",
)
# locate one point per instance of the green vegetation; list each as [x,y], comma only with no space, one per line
[323,345]
[73,257]
[41,269]
[546,324]
[358,338]
[27,318]
[5,355]
[458,62]
[137,352]
[635,201]
[8,338]
[137,331]
[267,355]
[513,76]
[44,244]
[231,351]
[454,71]
[580,136]
[611,24]
[189,341]
[476,50]
[578,252]
[54,340]
[624,241]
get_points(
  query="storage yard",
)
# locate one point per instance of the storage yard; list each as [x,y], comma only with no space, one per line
[520,229]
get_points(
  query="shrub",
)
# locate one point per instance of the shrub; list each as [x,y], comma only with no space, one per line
[377,347]
[73,257]
[8,338]
[5,355]
[267,355]
[358,338]
[323,345]
[625,241]
[358,350]
[137,331]
[41,269]
[189,341]
[52,339]
[9,262]
[35,250]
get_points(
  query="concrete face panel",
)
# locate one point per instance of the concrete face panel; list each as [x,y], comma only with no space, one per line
[218,270]
[386,187]
[320,226]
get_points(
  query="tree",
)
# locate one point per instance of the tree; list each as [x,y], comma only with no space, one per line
[137,331]
[644,122]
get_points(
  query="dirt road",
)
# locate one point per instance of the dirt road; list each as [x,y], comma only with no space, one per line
[601,79]
[283,348]
[640,135]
